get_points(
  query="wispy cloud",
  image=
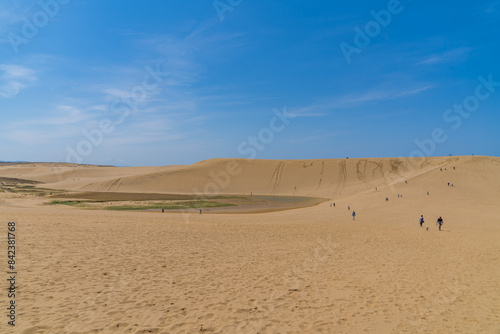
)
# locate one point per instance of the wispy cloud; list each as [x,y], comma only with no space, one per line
[67,115]
[61,115]
[379,95]
[37,136]
[59,124]
[455,54]
[13,78]
[315,110]
[356,100]
[174,97]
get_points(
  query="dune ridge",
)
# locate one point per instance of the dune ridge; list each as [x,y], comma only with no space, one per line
[322,178]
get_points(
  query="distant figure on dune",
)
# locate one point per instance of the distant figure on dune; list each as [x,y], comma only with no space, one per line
[398,195]
[427,193]
[387,199]
[376,189]
[353,215]
[453,168]
[439,222]
[421,220]
[200,211]
[162,210]
[333,204]
[406,182]
[440,169]
[349,207]
[448,184]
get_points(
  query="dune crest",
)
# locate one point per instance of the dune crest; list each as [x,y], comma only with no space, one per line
[323,178]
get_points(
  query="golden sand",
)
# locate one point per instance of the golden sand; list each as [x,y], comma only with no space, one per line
[308,270]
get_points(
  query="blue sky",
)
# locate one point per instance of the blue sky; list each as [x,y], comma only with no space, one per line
[69,67]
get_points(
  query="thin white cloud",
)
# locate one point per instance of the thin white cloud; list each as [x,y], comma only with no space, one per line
[166,114]
[309,111]
[67,115]
[379,95]
[36,136]
[16,71]
[13,78]
[356,100]
[61,124]
[116,93]
[446,56]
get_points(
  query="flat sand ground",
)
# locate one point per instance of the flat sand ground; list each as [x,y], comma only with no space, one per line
[309,270]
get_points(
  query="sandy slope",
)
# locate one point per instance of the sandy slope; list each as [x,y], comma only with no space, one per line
[298,271]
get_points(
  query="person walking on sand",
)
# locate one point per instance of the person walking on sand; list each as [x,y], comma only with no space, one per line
[353,215]
[439,222]
[421,220]
[349,207]
[333,204]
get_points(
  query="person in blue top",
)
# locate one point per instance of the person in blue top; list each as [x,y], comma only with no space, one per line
[421,220]
[353,215]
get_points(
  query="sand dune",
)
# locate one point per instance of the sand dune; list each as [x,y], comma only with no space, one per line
[309,270]
[330,178]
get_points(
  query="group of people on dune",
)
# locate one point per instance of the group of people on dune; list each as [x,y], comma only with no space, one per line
[439,221]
